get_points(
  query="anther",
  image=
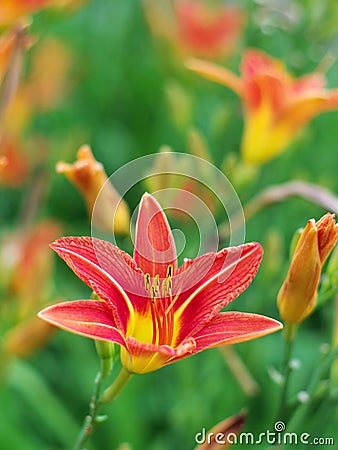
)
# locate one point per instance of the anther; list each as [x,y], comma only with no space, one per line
[147,281]
[153,294]
[170,271]
[156,283]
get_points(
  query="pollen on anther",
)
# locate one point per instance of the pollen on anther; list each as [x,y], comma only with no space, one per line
[147,281]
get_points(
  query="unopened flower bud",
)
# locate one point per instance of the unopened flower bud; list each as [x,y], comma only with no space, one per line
[106,352]
[22,340]
[221,435]
[298,294]
[111,213]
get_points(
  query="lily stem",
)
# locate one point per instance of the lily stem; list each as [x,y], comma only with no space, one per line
[289,335]
[90,420]
[113,390]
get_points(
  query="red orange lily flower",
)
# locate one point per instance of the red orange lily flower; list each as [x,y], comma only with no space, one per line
[196,27]
[158,313]
[276,105]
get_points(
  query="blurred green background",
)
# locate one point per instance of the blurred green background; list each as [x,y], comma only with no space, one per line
[117,101]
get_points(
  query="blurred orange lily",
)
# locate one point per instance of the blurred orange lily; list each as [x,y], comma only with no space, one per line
[25,277]
[158,313]
[298,294]
[3,163]
[7,44]
[276,105]
[12,10]
[17,166]
[197,27]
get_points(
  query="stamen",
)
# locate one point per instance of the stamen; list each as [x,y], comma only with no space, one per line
[167,283]
[169,271]
[156,284]
[153,294]
[147,281]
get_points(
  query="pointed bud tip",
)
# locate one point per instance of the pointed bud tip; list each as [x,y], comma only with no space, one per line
[85,152]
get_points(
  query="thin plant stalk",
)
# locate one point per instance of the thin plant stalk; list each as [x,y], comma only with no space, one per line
[93,418]
[289,334]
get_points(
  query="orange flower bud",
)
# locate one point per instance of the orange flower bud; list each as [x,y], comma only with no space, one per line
[27,265]
[89,176]
[298,294]
[222,435]
[3,163]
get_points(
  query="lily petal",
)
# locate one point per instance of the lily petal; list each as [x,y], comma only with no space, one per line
[155,247]
[257,62]
[230,274]
[106,270]
[214,72]
[234,327]
[92,319]
[142,357]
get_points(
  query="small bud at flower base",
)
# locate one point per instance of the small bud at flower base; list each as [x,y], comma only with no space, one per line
[298,294]
[106,351]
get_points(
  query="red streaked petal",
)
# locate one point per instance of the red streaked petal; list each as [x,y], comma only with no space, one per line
[229,275]
[234,327]
[154,243]
[92,319]
[106,270]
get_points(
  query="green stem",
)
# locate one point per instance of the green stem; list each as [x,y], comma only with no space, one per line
[112,391]
[91,419]
[289,335]
[299,417]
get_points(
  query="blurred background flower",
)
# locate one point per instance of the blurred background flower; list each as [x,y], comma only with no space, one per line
[120,85]
[276,106]
[26,285]
[202,28]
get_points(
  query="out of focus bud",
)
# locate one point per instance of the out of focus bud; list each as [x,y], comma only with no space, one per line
[27,337]
[3,163]
[184,193]
[27,265]
[49,79]
[221,435]
[198,145]
[7,43]
[180,104]
[298,294]
[111,213]
[12,46]
[16,170]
